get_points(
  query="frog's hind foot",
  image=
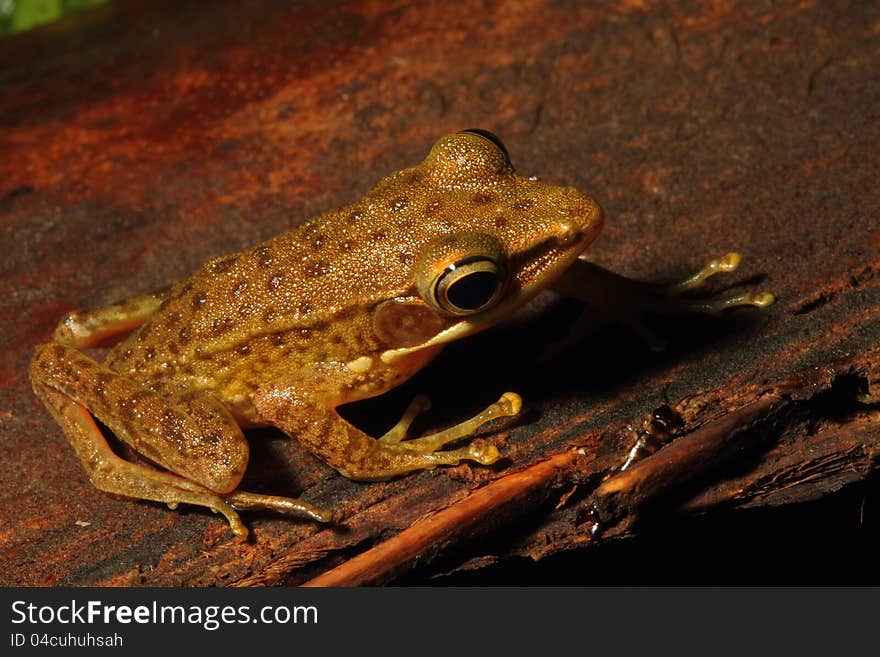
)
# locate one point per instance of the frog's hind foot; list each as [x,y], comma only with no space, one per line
[715,305]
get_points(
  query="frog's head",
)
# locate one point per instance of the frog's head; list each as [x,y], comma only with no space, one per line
[503,238]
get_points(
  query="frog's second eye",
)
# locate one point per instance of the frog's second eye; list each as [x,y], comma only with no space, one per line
[468,286]
[491,137]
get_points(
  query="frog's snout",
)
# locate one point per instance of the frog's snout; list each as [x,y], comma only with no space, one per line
[585,220]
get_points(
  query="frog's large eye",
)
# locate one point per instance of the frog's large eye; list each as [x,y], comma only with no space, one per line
[468,286]
[492,137]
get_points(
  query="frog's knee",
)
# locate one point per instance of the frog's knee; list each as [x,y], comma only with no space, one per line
[216,460]
[41,362]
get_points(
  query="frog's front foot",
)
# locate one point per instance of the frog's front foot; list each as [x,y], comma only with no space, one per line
[612,298]
[716,304]
[508,405]
[358,456]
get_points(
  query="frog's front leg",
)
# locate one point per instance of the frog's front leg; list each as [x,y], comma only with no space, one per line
[194,437]
[304,407]
[616,298]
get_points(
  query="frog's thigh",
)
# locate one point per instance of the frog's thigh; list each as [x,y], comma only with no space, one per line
[349,450]
[196,438]
[97,326]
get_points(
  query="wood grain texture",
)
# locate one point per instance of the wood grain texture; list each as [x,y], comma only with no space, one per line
[139,140]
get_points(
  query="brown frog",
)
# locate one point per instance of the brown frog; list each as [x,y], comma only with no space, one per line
[344,307]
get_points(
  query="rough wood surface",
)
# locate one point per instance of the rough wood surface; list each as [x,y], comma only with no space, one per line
[141,139]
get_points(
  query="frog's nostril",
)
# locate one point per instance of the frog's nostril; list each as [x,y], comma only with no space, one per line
[568,235]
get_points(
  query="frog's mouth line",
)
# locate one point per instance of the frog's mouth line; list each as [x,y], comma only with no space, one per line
[548,248]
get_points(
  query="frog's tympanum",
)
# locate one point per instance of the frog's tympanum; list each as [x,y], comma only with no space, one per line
[346,306]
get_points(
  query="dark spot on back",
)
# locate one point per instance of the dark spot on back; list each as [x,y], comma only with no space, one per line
[150,353]
[405,257]
[433,207]
[223,266]
[173,348]
[264,256]
[318,242]
[316,269]
[355,217]
[304,308]
[184,335]
[347,246]
[399,203]
[269,315]
[243,349]
[483,198]
[275,282]
[240,287]
[377,235]
[221,325]
[524,204]
[199,300]
[500,222]
[277,339]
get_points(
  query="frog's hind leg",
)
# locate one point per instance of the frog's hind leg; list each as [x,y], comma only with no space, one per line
[195,438]
[103,326]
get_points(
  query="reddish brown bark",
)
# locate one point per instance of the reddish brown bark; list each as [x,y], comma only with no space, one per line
[141,139]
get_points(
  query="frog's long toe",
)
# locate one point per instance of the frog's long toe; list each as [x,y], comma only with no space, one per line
[243,500]
[726,263]
[508,405]
[417,406]
[715,305]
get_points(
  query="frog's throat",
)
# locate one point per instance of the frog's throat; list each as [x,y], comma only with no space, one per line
[450,334]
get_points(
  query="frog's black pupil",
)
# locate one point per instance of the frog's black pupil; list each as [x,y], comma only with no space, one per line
[473,291]
[485,134]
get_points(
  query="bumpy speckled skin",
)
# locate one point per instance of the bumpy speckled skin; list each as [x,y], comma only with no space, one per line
[308,296]
[336,310]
